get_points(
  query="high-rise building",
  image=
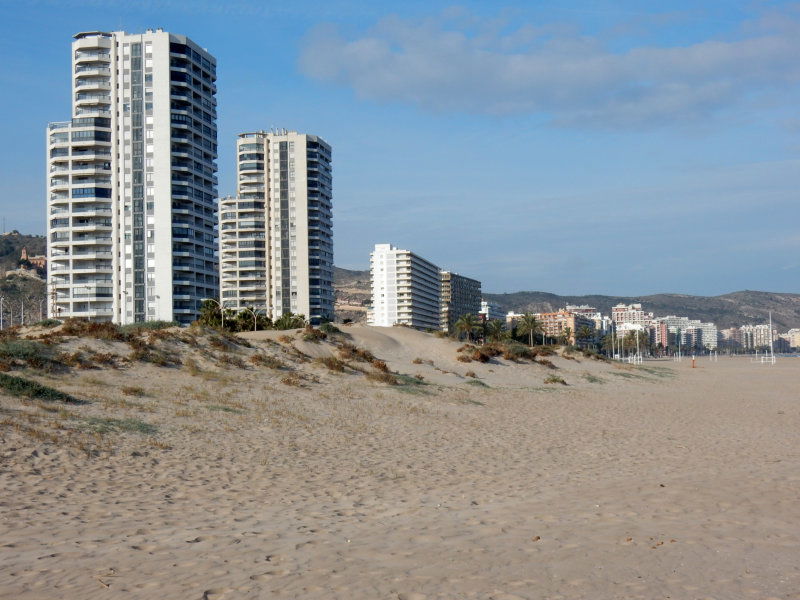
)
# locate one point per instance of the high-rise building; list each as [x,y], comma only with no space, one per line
[131,181]
[460,296]
[276,235]
[405,289]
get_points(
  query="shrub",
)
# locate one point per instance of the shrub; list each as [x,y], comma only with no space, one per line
[418,361]
[101,331]
[463,358]
[147,326]
[133,391]
[264,360]
[17,386]
[231,360]
[516,352]
[218,344]
[382,377]
[350,352]
[477,383]
[285,339]
[292,379]
[555,379]
[48,323]
[546,363]
[380,365]
[192,366]
[333,364]
[470,374]
[313,335]
[329,329]
[34,354]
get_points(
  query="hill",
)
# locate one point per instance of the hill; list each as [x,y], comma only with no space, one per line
[727,310]
[11,245]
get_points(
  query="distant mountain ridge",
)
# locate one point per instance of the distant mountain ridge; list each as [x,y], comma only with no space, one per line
[728,310]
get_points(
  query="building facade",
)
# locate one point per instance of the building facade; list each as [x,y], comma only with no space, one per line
[406,289]
[565,324]
[132,182]
[276,235]
[756,337]
[490,311]
[460,296]
[631,314]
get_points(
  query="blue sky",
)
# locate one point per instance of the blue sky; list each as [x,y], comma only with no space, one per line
[573,147]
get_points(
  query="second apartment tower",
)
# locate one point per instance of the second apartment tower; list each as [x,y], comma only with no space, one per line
[276,235]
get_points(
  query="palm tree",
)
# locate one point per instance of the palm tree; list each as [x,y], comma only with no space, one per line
[495,330]
[584,333]
[290,320]
[531,325]
[468,324]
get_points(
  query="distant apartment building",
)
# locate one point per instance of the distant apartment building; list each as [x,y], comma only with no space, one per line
[276,235]
[491,311]
[406,289]
[563,323]
[793,337]
[602,324]
[730,338]
[131,181]
[631,314]
[460,296]
[756,337]
[682,331]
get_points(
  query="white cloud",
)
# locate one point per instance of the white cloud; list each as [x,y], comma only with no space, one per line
[446,64]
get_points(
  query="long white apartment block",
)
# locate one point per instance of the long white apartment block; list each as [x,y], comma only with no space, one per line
[406,289]
[276,235]
[131,181]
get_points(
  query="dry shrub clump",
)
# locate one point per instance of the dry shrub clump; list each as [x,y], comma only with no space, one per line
[463,358]
[333,364]
[313,335]
[232,361]
[264,360]
[218,344]
[292,379]
[470,374]
[555,379]
[101,331]
[379,365]
[133,391]
[382,377]
[546,363]
[349,351]
[285,339]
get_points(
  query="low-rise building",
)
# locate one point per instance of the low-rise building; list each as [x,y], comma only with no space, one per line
[491,311]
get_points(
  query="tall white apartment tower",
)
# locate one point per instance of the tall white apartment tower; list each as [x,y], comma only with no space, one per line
[276,235]
[131,181]
[406,289]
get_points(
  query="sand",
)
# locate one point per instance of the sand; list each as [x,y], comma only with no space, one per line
[659,482]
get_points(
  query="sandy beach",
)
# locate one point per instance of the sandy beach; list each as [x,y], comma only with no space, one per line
[660,481]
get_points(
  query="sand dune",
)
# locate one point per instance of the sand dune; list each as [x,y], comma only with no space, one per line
[655,482]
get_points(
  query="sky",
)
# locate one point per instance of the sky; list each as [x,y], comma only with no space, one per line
[595,146]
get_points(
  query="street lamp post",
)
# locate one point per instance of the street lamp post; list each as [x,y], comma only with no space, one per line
[254,312]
